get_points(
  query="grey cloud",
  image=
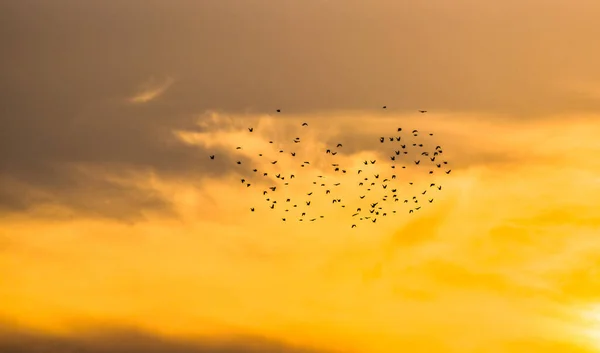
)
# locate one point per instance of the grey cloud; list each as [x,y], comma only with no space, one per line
[67,67]
[131,341]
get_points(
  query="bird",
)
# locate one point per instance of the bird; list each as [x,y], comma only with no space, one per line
[304,124]
[238,148]
[274,162]
[417,162]
[252,209]
[422,111]
[238,162]
[385,107]
[373,161]
[339,145]
[250,129]
[399,129]
[430,201]
[293,154]
[381,139]
[212,156]
[448,172]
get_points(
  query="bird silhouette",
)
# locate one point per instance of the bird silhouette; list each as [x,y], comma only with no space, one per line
[212,156]
[250,129]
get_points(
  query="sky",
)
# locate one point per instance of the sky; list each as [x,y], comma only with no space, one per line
[119,234]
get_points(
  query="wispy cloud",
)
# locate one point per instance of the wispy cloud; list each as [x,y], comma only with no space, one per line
[151,90]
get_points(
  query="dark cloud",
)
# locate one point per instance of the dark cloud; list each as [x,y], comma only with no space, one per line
[131,341]
[67,66]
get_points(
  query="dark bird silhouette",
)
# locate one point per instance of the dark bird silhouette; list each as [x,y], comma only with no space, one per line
[328,151]
[376,176]
[238,162]
[252,209]
[373,161]
[250,129]
[353,226]
[238,148]
[339,145]
[381,139]
[212,156]
[422,111]
[293,154]
[448,172]
[440,187]
[430,201]
[399,129]
[398,138]
[333,153]
[304,124]
[417,162]
[366,162]
[274,162]
[307,203]
[393,158]
[423,193]
[362,197]
[385,107]
[431,172]
[272,206]
[391,139]
[278,110]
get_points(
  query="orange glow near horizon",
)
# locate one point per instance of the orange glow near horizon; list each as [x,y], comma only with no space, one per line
[507,252]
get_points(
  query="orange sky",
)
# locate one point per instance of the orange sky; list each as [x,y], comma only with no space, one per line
[117,233]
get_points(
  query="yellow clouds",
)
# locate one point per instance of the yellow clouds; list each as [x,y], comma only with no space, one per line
[502,261]
[151,90]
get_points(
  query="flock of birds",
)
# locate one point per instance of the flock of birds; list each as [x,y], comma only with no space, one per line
[378,191]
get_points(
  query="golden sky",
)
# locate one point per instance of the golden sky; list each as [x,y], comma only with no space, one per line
[118,234]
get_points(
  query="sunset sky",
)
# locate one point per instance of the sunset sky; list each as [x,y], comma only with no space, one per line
[119,234]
